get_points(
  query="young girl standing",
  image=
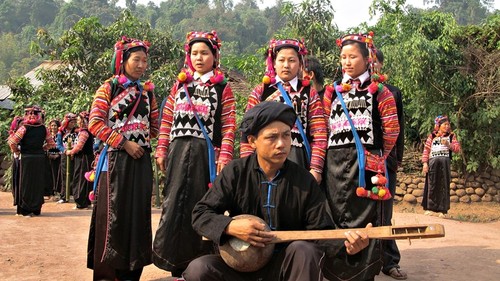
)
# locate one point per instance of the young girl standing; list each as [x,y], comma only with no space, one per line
[285,60]
[363,128]
[195,143]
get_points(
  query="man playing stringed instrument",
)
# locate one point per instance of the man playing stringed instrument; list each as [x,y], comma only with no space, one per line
[283,194]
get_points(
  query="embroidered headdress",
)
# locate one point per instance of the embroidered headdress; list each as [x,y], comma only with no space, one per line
[84,117]
[33,115]
[213,41]
[376,78]
[15,124]
[123,46]
[273,49]
[440,119]
[67,118]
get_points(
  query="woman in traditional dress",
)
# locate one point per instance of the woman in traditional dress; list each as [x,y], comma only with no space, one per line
[436,160]
[124,116]
[83,156]
[54,156]
[363,128]
[284,63]
[30,141]
[195,143]
[14,125]
[66,138]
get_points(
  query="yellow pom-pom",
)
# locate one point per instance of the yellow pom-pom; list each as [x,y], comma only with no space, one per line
[381,193]
[266,79]
[182,77]
[92,176]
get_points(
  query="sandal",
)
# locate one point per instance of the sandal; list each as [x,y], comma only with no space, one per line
[397,273]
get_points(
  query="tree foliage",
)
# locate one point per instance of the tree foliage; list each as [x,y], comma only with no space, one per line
[445,59]
[85,52]
[313,20]
[441,68]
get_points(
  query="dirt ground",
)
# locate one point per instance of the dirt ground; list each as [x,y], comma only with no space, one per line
[53,245]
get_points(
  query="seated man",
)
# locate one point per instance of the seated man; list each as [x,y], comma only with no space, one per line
[267,185]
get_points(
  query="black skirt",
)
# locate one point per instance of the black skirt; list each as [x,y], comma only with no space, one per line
[120,234]
[437,185]
[187,178]
[350,211]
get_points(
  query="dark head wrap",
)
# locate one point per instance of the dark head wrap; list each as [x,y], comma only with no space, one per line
[264,113]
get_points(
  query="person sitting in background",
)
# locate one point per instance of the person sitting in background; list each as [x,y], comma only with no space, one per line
[284,64]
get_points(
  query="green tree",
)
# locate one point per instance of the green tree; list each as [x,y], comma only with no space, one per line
[430,58]
[312,20]
[464,11]
[85,52]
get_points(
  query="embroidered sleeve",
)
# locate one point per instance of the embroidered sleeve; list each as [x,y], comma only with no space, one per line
[82,139]
[16,138]
[166,121]
[389,118]
[153,118]
[427,149]
[228,122]
[49,140]
[318,132]
[254,98]
[99,116]
[454,144]
[327,102]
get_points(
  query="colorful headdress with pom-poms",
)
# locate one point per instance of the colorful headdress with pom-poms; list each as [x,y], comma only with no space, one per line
[33,115]
[272,50]
[376,78]
[438,121]
[123,46]
[213,41]
[67,118]
[15,124]
[84,117]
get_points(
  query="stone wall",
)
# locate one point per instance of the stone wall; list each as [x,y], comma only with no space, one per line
[478,187]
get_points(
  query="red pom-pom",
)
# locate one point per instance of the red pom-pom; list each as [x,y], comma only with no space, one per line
[92,196]
[382,180]
[361,191]
[373,88]
[209,185]
[306,83]
[217,79]
[122,79]
[149,86]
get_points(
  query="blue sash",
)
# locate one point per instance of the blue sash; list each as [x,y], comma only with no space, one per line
[307,146]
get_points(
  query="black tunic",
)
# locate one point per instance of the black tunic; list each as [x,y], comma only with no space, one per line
[32,171]
[295,200]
